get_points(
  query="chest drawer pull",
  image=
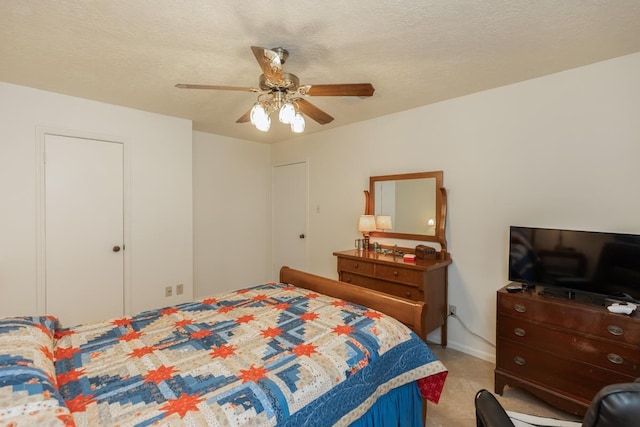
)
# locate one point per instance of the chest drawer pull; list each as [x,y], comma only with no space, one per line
[520,332]
[519,360]
[520,308]
[615,330]
[395,273]
[615,358]
[408,294]
[348,280]
[356,265]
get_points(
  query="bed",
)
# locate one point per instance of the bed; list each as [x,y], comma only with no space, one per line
[285,354]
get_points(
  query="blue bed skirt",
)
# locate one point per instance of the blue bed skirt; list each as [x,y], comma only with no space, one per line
[400,407]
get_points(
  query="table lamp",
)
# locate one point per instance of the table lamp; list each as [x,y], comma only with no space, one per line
[366,224]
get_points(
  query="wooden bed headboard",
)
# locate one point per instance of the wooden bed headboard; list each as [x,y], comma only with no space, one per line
[411,313]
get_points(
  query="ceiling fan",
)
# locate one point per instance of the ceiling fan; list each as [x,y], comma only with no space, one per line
[280,91]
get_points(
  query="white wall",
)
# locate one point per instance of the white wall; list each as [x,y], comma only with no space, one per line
[232,213]
[161,215]
[559,151]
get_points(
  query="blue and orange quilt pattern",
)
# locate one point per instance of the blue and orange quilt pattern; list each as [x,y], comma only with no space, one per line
[268,355]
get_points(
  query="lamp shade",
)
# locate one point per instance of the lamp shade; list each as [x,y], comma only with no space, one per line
[383,222]
[297,124]
[367,223]
[259,118]
[287,113]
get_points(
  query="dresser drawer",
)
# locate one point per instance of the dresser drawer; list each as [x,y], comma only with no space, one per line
[622,358]
[356,279]
[360,267]
[403,291]
[405,275]
[553,372]
[592,321]
[409,292]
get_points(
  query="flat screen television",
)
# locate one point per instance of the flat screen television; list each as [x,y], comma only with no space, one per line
[576,263]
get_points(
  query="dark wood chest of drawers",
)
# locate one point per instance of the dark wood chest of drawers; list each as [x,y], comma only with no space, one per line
[561,350]
[424,280]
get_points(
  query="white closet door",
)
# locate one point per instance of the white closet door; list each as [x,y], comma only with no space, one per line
[84,232]
[289,202]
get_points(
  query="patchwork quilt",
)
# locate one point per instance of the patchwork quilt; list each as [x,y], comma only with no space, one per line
[29,394]
[267,355]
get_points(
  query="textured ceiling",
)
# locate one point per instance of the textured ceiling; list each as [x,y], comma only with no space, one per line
[414,52]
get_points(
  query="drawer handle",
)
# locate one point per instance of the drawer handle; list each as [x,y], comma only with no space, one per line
[408,294]
[356,265]
[520,308]
[520,332]
[519,360]
[615,358]
[395,273]
[615,330]
[349,280]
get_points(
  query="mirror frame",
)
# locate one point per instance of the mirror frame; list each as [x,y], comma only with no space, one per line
[441,207]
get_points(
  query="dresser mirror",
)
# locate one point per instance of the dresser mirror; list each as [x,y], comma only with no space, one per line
[416,203]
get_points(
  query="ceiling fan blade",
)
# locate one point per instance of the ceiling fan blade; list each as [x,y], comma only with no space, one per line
[243,89]
[245,117]
[312,111]
[347,89]
[270,63]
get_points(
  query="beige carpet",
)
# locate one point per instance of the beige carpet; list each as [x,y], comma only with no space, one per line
[467,375]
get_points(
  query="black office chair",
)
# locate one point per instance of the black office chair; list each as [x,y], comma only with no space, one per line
[616,405]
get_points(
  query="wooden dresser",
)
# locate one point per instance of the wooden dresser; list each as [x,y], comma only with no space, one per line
[424,280]
[563,350]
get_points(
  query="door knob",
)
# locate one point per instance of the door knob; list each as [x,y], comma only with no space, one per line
[301,236]
[116,249]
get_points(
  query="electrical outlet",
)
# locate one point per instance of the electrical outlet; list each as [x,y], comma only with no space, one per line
[168,291]
[179,289]
[452,310]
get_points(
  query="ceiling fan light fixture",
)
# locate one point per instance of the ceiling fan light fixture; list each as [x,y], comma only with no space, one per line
[287,113]
[297,124]
[257,112]
[264,125]
[259,118]
[280,91]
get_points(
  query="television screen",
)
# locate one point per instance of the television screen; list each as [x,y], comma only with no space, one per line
[584,261]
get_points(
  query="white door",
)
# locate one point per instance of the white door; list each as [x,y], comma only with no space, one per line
[289,217]
[84,231]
